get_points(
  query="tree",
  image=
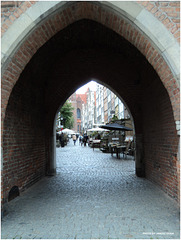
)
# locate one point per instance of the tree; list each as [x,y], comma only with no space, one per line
[114,118]
[66,113]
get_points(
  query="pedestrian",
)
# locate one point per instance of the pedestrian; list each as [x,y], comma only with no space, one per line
[74,139]
[99,136]
[85,140]
[80,140]
[61,139]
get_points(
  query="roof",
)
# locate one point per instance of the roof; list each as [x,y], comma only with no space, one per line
[83,97]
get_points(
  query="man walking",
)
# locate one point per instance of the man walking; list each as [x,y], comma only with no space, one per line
[74,139]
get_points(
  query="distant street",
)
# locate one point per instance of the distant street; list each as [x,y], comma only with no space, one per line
[93,196]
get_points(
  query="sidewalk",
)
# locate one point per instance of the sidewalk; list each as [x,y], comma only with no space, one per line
[93,196]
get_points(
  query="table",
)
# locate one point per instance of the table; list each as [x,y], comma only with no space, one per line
[96,143]
[117,148]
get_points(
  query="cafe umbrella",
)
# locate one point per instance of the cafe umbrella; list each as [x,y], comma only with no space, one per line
[67,131]
[97,129]
[116,126]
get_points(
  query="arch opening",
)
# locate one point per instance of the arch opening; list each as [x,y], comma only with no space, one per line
[88,101]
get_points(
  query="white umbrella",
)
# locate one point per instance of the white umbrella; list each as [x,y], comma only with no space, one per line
[68,131]
[97,129]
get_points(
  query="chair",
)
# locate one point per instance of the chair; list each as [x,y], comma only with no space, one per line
[127,150]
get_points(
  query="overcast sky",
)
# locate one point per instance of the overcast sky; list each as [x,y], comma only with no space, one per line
[83,89]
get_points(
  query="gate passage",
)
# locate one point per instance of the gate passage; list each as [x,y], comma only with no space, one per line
[51,48]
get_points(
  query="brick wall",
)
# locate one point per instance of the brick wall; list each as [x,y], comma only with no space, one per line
[79,105]
[160,138]
[24,137]
[60,20]
[167,12]
[40,66]
[11,10]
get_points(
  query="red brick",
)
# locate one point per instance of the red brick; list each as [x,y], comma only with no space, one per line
[162,17]
[154,10]
[164,4]
[150,6]
[166,21]
[174,4]
[177,34]
[173,15]
[158,14]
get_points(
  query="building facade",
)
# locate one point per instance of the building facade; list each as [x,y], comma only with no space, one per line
[94,108]
[77,101]
[108,105]
[89,110]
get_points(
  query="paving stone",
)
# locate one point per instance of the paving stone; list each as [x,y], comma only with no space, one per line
[93,195]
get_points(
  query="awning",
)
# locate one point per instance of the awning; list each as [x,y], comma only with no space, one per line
[116,126]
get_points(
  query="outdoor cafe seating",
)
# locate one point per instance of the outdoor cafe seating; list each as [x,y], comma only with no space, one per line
[96,143]
[112,142]
[120,148]
[116,142]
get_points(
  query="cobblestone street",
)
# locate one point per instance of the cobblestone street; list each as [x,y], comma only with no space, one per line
[93,196]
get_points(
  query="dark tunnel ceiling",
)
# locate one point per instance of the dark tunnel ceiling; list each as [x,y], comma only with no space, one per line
[83,34]
[63,63]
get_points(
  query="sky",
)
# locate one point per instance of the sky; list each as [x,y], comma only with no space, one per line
[83,89]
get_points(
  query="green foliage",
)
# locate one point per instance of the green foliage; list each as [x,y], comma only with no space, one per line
[114,118]
[66,112]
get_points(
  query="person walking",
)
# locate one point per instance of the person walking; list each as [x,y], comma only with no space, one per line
[80,140]
[85,140]
[74,139]
[61,139]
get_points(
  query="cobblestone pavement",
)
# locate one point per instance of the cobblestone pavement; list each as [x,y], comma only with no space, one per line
[93,196]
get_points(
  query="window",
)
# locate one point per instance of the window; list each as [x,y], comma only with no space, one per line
[78,113]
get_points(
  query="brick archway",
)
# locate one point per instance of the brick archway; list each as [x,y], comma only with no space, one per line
[16,76]
[164,57]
